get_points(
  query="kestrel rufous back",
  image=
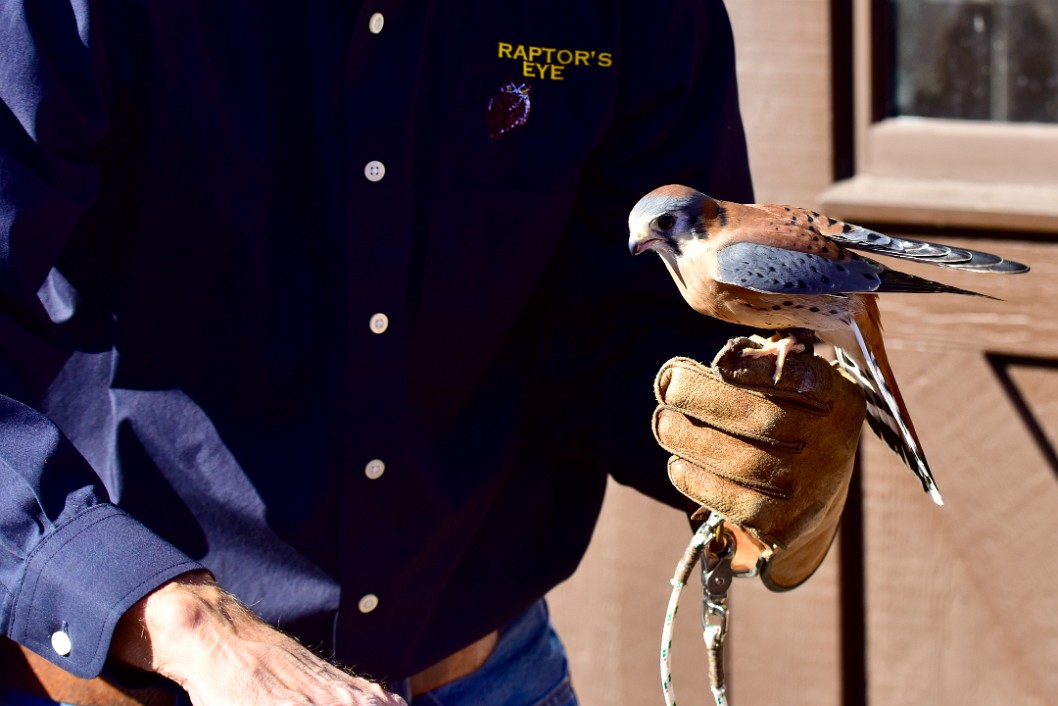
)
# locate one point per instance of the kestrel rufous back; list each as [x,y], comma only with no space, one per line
[789,269]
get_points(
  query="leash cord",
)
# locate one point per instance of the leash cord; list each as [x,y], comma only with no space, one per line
[707,532]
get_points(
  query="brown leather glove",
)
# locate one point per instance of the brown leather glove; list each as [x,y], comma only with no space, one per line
[773,459]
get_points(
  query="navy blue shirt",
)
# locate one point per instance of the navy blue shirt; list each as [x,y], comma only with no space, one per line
[336,306]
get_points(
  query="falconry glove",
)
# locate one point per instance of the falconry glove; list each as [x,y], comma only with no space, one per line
[773,459]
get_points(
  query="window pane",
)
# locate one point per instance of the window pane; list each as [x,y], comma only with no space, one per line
[976,59]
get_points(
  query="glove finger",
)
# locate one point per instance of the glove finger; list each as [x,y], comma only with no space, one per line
[760,467]
[728,497]
[687,386]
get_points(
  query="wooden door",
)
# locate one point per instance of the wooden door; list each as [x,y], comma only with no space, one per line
[959,606]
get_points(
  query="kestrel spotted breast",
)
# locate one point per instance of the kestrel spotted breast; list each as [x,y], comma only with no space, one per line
[789,269]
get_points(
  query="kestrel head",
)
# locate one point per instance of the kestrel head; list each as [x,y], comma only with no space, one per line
[666,219]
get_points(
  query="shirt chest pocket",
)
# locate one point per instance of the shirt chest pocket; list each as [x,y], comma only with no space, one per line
[518,108]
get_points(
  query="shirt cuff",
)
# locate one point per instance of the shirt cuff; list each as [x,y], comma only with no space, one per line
[81,579]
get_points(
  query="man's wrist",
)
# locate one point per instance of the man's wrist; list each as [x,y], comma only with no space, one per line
[152,634]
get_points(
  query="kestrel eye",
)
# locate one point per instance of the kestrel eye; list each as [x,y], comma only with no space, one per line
[665,222]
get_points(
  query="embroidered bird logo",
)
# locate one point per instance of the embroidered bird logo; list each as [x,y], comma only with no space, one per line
[793,271]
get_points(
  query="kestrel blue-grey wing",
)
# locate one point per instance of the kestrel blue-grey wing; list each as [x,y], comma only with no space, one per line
[766,268]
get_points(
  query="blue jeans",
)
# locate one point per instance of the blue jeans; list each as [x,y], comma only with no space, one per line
[527,668]
[17,698]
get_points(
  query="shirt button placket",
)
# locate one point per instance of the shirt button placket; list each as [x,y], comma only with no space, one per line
[381,347]
[375,171]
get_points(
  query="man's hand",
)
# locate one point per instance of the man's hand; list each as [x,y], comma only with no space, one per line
[773,458]
[194,633]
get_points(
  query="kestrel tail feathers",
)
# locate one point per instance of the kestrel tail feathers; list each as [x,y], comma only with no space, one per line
[887,413]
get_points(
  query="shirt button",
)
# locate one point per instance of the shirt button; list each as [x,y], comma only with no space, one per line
[376,23]
[368,603]
[374,170]
[379,323]
[374,469]
[61,643]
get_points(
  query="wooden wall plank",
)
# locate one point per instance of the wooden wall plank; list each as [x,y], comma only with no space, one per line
[960,607]
[783,53]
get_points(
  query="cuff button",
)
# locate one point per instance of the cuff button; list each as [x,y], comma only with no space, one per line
[61,643]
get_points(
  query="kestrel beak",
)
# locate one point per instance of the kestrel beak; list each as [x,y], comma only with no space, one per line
[638,242]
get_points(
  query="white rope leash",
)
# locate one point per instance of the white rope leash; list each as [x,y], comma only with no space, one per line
[683,571]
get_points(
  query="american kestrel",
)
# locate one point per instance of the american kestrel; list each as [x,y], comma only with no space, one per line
[789,269]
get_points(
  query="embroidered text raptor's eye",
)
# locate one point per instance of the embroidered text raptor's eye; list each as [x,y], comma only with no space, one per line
[665,222]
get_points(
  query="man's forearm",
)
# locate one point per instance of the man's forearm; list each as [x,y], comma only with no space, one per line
[194,633]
